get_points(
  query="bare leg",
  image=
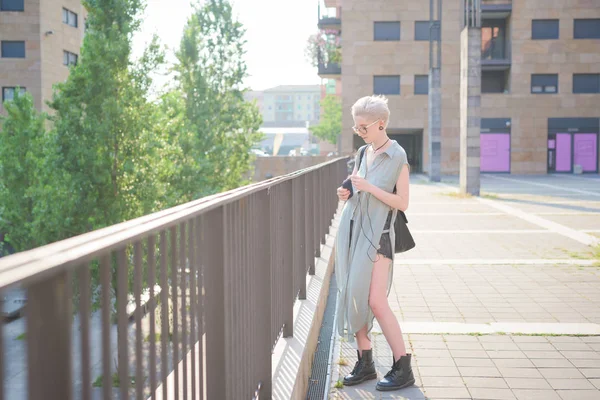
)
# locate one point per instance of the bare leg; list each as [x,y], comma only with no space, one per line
[362,340]
[381,309]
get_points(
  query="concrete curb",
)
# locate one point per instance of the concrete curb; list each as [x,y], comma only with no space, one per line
[293,357]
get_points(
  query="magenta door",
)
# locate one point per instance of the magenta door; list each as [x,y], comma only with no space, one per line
[563,152]
[586,151]
[495,152]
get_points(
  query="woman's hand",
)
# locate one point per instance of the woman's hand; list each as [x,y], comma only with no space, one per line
[361,184]
[343,194]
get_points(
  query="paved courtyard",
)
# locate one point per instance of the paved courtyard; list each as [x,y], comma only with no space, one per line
[501,297]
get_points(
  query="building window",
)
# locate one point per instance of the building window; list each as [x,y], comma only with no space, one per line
[544,83]
[69,18]
[69,58]
[421,84]
[586,83]
[13,49]
[586,29]
[387,30]
[270,107]
[309,117]
[493,42]
[544,29]
[494,82]
[8,93]
[308,106]
[386,84]
[12,5]
[422,30]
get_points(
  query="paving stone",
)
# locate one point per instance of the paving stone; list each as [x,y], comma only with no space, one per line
[514,363]
[443,381]
[491,394]
[590,372]
[492,383]
[535,394]
[570,384]
[578,394]
[527,383]
[490,372]
[474,362]
[564,373]
[438,371]
[507,372]
[447,393]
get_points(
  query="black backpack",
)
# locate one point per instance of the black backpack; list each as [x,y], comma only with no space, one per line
[404,240]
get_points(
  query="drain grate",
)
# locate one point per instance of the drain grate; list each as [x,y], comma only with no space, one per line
[320,367]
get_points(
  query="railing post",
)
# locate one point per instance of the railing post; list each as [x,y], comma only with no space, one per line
[309,211]
[300,243]
[260,271]
[212,258]
[285,202]
[49,318]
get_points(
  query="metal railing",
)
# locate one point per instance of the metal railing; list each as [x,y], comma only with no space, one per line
[213,284]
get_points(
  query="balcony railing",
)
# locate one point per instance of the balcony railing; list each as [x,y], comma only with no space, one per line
[221,277]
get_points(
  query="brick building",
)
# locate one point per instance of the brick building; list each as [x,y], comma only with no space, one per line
[39,39]
[540,79]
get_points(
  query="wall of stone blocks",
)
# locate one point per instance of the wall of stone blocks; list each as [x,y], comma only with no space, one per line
[23,72]
[65,37]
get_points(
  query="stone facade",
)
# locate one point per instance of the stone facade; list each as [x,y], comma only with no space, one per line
[41,26]
[362,58]
[470,110]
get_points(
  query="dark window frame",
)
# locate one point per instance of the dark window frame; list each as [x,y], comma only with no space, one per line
[592,76]
[68,13]
[12,41]
[417,86]
[544,26]
[4,7]
[69,56]
[386,38]
[387,93]
[14,88]
[577,34]
[543,86]
[420,37]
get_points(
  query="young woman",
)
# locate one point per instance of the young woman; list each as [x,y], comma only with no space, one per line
[364,250]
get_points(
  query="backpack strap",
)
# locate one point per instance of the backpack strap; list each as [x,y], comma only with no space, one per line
[362,153]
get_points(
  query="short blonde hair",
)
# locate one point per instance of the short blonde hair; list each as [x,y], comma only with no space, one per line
[375,107]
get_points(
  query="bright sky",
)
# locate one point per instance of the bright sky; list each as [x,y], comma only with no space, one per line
[276,32]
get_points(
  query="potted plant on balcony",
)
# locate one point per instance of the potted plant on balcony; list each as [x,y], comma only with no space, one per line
[324,48]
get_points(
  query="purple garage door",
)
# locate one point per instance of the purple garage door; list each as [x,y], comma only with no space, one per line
[495,152]
[563,152]
[586,151]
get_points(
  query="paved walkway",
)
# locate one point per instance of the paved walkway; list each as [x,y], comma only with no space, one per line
[501,297]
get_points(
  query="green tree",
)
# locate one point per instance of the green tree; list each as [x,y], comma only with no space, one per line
[103,122]
[219,128]
[21,171]
[330,125]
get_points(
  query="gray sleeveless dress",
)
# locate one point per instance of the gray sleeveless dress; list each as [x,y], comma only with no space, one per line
[356,252]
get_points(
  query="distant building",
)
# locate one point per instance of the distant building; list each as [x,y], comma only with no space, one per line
[39,40]
[289,110]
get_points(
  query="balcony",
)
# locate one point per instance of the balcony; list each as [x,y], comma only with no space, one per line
[495,10]
[330,23]
[330,71]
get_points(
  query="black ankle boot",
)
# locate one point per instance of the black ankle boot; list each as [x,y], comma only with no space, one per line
[399,377]
[364,369]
